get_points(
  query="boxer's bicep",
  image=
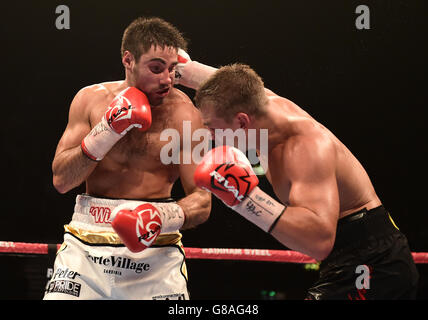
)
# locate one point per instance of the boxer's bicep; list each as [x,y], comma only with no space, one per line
[191,146]
[186,178]
[311,170]
[69,166]
[78,125]
[197,202]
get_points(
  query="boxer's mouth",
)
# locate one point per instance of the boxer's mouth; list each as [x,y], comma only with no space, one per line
[163,92]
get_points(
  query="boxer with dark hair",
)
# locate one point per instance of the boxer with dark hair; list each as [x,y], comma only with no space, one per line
[123,241]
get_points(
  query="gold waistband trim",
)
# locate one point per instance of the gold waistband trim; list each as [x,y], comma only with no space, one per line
[107,237]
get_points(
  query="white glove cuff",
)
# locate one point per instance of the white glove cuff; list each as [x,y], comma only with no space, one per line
[193,73]
[260,209]
[99,141]
[172,216]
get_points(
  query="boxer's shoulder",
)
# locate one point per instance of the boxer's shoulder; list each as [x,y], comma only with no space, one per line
[177,96]
[93,100]
[305,143]
[182,107]
[101,91]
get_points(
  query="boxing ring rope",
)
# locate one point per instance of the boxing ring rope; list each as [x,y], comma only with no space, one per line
[285,256]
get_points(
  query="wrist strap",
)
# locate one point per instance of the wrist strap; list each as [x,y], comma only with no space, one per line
[193,74]
[261,209]
[99,141]
[277,219]
[172,216]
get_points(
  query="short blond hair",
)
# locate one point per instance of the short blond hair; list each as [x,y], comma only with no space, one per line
[232,89]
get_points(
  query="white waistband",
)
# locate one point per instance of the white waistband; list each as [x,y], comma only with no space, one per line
[94,214]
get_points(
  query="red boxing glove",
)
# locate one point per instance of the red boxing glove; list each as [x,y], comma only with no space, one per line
[226,172]
[129,109]
[138,224]
[138,228]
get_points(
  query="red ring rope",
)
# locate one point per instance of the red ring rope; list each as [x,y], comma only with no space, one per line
[203,253]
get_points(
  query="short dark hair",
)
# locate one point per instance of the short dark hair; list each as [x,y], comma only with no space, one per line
[144,32]
[234,88]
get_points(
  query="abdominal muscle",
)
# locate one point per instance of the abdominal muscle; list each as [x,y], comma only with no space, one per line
[133,170]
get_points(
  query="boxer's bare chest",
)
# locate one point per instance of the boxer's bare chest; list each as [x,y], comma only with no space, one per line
[138,145]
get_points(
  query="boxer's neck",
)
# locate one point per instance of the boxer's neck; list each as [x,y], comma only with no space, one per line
[276,123]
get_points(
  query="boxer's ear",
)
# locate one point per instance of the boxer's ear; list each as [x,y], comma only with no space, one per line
[128,60]
[241,120]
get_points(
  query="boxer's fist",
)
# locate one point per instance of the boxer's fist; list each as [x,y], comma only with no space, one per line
[226,172]
[139,227]
[129,109]
[138,224]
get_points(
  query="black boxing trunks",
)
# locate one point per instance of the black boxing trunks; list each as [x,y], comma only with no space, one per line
[370,260]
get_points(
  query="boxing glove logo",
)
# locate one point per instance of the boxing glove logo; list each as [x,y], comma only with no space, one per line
[121,110]
[224,180]
[148,224]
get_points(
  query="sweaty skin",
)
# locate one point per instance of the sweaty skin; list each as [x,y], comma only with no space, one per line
[132,168]
[310,146]
[309,169]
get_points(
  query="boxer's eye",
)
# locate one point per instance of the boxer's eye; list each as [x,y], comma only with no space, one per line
[156,68]
[172,67]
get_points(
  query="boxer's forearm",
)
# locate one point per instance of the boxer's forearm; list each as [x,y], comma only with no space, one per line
[70,168]
[193,74]
[196,207]
[297,228]
[305,231]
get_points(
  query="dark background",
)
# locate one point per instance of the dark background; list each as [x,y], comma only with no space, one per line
[367,86]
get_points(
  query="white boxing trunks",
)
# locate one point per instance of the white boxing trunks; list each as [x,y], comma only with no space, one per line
[93,263]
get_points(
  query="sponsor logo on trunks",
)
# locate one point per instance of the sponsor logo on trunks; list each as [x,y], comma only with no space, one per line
[61,282]
[100,214]
[65,274]
[174,296]
[119,263]
[64,286]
